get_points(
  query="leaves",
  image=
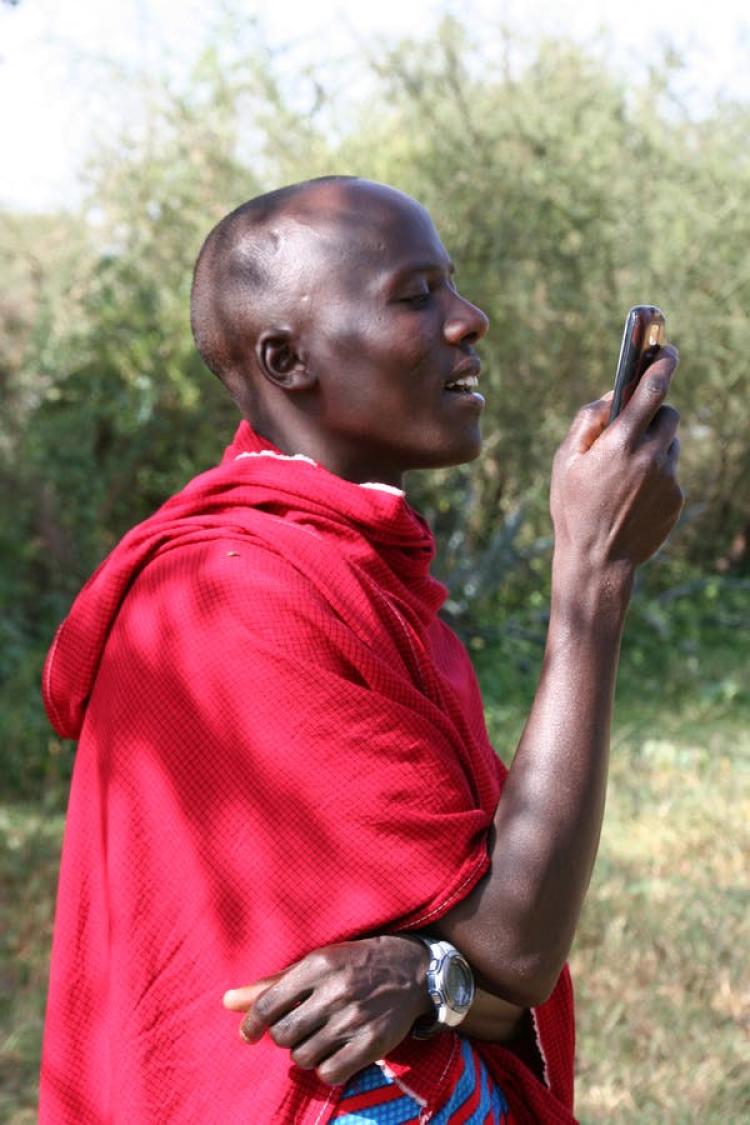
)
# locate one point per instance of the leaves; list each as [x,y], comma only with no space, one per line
[564,191]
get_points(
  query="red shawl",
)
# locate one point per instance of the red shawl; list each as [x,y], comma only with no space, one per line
[280,746]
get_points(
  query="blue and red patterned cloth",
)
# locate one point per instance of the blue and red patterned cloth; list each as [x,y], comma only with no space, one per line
[373,1097]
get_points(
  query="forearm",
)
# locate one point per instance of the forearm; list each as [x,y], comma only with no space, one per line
[516,928]
[492,1019]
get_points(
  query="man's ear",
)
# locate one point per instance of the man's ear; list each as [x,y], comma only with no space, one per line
[282,361]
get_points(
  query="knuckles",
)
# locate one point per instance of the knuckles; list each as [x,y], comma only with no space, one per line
[330,961]
[356,1014]
[303,1057]
[263,1006]
[656,387]
[319,963]
[378,1044]
[346,980]
[591,409]
[334,1075]
[284,1032]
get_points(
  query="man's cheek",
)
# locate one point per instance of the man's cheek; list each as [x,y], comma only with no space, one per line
[345,337]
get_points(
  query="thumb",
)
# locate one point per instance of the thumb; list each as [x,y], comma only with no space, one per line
[242,999]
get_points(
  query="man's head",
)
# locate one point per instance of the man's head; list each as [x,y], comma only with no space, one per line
[329,311]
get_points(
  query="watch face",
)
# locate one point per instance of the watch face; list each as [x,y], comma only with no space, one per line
[459,984]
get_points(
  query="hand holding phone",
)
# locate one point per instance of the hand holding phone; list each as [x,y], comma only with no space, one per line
[641,340]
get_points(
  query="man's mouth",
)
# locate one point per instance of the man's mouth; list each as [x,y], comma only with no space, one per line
[465,384]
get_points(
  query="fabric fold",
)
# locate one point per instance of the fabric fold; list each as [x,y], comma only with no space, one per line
[281,745]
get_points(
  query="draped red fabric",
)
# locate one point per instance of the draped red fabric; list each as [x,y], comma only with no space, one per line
[281,745]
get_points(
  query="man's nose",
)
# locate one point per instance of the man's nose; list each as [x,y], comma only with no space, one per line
[466,323]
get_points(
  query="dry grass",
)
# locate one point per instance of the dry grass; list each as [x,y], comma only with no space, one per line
[661,959]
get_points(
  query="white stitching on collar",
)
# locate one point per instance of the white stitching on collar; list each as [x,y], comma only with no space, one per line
[383,487]
[377,485]
[278,456]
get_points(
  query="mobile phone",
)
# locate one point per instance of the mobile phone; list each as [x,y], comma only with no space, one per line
[641,340]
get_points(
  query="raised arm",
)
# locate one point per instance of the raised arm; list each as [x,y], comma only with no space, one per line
[614,498]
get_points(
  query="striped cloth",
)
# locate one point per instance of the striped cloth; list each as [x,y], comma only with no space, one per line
[374,1097]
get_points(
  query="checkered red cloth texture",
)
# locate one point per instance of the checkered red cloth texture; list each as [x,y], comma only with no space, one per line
[281,746]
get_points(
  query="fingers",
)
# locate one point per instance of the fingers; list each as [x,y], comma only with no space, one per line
[343,1064]
[338,1043]
[648,397]
[319,1046]
[297,1026]
[240,999]
[360,998]
[273,1003]
[663,428]
[336,1060]
[589,424]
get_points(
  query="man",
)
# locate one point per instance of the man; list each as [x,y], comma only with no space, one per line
[281,744]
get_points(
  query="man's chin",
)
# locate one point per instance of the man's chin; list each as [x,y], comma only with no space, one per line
[453,456]
[468,449]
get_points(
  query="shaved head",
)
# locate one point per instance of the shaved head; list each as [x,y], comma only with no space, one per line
[234,274]
[329,310]
[260,264]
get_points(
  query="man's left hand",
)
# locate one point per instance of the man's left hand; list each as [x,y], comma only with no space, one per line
[342,1007]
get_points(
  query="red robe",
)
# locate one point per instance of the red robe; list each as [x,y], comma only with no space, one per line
[281,746]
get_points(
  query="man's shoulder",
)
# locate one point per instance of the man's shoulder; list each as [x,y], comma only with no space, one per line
[229,576]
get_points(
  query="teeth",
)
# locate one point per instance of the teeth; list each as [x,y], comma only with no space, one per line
[466,383]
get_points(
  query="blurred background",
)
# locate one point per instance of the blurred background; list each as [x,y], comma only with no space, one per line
[575,162]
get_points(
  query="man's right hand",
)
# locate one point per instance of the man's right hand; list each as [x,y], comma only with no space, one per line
[614,495]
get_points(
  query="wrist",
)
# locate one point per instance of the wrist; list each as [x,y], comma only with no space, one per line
[450,985]
[418,959]
[590,595]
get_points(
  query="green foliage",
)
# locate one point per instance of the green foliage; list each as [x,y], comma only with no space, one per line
[564,193]
[29,849]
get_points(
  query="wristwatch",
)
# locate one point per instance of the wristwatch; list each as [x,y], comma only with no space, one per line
[450,983]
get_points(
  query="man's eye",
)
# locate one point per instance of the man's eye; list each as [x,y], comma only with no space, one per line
[417,299]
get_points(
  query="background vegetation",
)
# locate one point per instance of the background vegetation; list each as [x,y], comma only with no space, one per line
[565,193]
